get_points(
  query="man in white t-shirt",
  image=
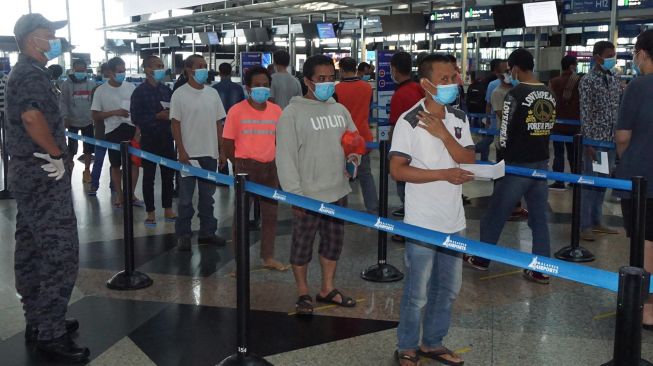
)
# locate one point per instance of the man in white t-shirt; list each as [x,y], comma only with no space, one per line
[197,113]
[429,142]
[111,105]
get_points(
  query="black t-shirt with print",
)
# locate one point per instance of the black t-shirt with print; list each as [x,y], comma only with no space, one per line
[529,113]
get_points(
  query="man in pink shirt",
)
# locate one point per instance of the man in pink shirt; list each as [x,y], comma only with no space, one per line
[249,140]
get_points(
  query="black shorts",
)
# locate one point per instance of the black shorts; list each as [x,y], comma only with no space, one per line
[72,143]
[124,132]
[626,204]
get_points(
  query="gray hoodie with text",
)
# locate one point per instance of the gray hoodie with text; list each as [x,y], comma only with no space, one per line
[310,158]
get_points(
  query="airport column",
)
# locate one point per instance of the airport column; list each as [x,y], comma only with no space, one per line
[463,43]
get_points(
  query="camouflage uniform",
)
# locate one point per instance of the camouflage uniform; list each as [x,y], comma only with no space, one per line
[47,246]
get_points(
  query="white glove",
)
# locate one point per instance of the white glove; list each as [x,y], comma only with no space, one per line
[54,166]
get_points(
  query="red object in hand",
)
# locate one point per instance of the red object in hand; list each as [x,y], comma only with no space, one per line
[135,159]
[353,143]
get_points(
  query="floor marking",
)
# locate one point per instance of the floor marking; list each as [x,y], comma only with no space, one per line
[326,307]
[463,350]
[504,274]
[258,269]
[601,316]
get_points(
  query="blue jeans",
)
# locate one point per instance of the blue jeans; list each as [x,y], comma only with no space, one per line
[98,161]
[368,188]
[591,200]
[508,191]
[433,280]
[185,211]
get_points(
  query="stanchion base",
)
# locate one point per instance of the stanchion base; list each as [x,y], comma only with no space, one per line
[249,360]
[382,273]
[6,195]
[134,281]
[571,254]
[641,363]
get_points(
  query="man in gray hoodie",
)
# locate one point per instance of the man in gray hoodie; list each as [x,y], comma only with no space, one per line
[75,105]
[311,162]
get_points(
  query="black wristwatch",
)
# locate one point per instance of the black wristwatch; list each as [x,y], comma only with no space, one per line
[56,157]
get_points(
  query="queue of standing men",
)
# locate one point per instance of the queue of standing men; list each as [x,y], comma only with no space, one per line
[299,148]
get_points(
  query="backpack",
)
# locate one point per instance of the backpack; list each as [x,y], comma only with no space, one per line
[476,97]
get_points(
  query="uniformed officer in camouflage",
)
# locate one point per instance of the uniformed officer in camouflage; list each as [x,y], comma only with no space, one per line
[47,246]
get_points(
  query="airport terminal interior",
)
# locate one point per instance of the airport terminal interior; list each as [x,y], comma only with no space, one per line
[188,316]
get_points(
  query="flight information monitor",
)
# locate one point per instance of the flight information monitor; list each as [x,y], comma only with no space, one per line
[540,14]
[325,30]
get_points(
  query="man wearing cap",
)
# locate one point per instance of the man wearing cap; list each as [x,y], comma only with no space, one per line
[47,246]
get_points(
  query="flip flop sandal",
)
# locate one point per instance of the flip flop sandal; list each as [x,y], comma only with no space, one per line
[282,268]
[437,356]
[171,219]
[403,356]
[304,306]
[347,302]
[150,223]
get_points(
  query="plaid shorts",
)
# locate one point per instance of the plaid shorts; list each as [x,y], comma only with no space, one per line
[332,234]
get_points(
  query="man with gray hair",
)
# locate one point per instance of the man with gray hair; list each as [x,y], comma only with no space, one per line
[47,245]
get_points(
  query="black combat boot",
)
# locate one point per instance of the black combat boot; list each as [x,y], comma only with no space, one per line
[63,349]
[32,330]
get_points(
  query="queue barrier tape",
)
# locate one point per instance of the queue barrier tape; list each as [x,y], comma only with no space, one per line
[574,272]
[562,121]
[556,138]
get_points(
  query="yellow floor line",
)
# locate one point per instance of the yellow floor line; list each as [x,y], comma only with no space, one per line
[504,274]
[609,314]
[325,307]
[463,350]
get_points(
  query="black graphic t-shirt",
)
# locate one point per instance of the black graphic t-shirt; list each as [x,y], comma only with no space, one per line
[529,113]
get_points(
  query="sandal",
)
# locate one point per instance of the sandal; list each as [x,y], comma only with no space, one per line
[150,222]
[346,302]
[404,356]
[304,306]
[647,326]
[437,356]
[171,219]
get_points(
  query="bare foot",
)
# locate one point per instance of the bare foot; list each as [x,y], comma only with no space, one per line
[275,265]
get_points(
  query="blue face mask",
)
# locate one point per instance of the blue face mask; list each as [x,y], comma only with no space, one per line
[158,75]
[120,77]
[260,94]
[201,75]
[447,94]
[55,48]
[324,91]
[609,63]
[80,75]
[366,78]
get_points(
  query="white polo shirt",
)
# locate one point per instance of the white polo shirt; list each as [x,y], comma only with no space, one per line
[436,205]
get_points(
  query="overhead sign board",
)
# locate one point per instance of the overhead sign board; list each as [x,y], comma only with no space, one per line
[453,15]
[586,6]
[479,13]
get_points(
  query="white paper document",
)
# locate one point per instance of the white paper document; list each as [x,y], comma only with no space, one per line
[194,163]
[601,165]
[486,171]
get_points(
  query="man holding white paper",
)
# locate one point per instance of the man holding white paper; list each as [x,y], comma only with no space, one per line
[150,111]
[600,93]
[111,104]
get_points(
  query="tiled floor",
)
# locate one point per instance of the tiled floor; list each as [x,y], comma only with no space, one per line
[188,316]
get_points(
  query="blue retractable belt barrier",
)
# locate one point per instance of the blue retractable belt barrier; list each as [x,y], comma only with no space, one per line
[381,107]
[562,121]
[372,145]
[557,138]
[574,272]
[620,184]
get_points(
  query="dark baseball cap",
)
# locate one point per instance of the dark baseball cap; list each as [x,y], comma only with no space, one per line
[28,23]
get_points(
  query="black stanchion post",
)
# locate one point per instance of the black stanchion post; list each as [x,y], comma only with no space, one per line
[382,271]
[242,355]
[633,291]
[4,193]
[129,279]
[574,252]
[638,221]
